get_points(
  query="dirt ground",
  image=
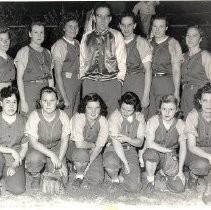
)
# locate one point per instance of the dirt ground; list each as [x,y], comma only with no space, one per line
[105,197]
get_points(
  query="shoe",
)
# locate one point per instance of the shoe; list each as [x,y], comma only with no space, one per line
[150,188]
[192,182]
[77,183]
[207,195]
[35,184]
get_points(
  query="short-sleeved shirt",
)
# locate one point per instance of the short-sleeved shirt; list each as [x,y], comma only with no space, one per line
[198,127]
[48,132]
[133,127]
[166,137]
[82,131]
[145,7]
[12,135]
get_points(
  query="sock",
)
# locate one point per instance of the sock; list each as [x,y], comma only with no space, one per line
[151,179]
[79,176]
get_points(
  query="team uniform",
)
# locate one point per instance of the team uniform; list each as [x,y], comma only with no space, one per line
[168,138]
[97,134]
[165,53]
[133,127]
[12,136]
[196,72]
[67,53]
[103,64]
[48,133]
[37,72]
[7,70]
[201,129]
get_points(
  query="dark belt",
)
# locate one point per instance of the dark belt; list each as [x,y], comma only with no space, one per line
[126,147]
[37,81]
[160,74]
[190,86]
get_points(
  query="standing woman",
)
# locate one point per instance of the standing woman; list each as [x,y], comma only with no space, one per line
[65,53]
[7,68]
[196,68]
[33,64]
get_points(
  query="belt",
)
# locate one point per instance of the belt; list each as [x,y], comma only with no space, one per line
[126,147]
[190,86]
[37,81]
[160,74]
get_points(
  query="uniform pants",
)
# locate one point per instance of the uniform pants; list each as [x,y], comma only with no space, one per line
[15,184]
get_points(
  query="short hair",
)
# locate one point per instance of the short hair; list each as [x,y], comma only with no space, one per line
[128,14]
[170,98]
[37,23]
[68,17]
[102,4]
[48,90]
[132,99]
[205,89]
[8,92]
[160,17]
[4,30]
[92,97]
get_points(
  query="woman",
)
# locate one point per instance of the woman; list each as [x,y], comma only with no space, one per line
[48,130]
[7,68]
[126,134]
[196,68]
[89,133]
[33,64]
[198,128]
[164,135]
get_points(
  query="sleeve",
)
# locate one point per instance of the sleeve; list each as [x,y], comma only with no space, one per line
[152,126]
[32,125]
[192,123]
[59,51]
[142,125]
[22,57]
[114,123]
[181,129]
[144,50]
[65,124]
[206,62]
[121,55]
[175,51]
[82,56]
[77,124]
[103,133]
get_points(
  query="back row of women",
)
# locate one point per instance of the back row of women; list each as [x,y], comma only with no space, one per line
[109,64]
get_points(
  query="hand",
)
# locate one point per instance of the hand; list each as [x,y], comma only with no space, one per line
[24,106]
[145,101]
[17,159]
[10,171]
[56,162]
[122,138]
[181,176]
[63,170]
[127,168]
[87,168]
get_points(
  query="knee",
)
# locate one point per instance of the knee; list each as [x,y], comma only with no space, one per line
[17,190]
[111,162]
[200,167]
[80,155]
[2,164]
[176,185]
[34,156]
[151,155]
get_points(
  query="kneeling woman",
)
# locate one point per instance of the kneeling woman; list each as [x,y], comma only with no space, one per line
[126,134]
[89,133]
[48,130]
[13,142]
[198,128]
[164,135]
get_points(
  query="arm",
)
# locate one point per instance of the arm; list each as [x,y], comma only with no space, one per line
[63,147]
[24,148]
[176,79]
[182,154]
[82,57]
[84,144]
[206,62]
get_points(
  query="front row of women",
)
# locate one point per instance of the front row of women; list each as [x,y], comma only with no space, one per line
[95,144]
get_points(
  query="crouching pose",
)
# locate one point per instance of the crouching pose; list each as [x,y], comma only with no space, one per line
[48,130]
[13,142]
[164,135]
[126,133]
[198,128]
[89,133]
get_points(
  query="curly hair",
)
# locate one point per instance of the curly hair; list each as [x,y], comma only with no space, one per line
[132,99]
[197,97]
[92,97]
[67,18]
[171,99]
[8,92]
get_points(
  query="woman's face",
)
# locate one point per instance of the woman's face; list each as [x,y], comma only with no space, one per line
[127,110]
[9,105]
[93,110]
[4,42]
[48,102]
[71,29]
[206,102]
[193,38]
[37,34]
[168,111]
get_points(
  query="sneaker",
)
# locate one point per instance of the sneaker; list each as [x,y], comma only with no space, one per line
[150,188]
[35,184]
[192,182]
[77,183]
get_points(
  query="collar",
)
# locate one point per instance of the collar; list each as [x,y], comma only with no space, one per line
[162,40]
[3,54]
[101,33]
[71,42]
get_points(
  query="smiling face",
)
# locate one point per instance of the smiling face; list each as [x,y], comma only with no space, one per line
[206,102]
[127,26]
[168,111]
[4,42]
[48,102]
[127,110]
[102,18]
[9,105]
[193,37]
[71,29]
[159,28]
[37,34]
[93,110]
